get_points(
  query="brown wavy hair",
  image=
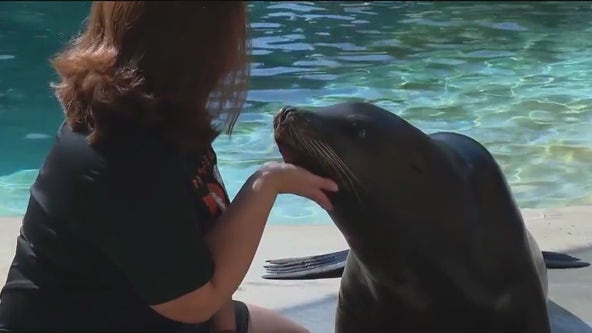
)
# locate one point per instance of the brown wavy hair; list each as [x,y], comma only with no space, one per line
[169,66]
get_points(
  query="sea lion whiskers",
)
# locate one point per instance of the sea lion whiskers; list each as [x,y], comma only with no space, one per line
[330,160]
[336,163]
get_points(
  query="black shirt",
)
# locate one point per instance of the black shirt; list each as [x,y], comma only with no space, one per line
[110,231]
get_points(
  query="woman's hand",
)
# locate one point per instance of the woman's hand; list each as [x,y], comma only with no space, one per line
[288,178]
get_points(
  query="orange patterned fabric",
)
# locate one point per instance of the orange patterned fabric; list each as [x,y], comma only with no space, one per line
[211,195]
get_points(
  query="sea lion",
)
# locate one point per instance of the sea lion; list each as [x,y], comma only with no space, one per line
[437,242]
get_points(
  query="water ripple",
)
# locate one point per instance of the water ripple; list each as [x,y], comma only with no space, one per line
[515,76]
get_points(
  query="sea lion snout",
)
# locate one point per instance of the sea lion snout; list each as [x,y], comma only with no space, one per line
[281,116]
[290,116]
[292,119]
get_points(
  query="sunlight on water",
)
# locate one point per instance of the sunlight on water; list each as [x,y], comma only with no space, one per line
[516,77]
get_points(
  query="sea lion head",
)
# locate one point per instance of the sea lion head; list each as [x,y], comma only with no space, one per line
[384,166]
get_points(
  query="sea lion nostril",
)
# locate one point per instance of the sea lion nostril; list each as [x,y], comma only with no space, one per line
[280,116]
[287,108]
[284,112]
[289,116]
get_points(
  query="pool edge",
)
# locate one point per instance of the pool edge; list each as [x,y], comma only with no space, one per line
[312,302]
[556,229]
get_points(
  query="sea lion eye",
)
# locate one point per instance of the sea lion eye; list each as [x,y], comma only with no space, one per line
[358,131]
[361,133]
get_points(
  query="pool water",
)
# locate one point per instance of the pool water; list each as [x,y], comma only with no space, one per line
[515,76]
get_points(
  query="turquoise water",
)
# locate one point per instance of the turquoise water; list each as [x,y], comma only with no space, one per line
[515,76]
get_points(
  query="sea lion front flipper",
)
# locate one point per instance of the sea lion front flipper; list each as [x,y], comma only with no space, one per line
[329,265]
[562,260]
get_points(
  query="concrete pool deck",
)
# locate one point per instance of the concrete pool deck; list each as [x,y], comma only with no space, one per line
[313,302]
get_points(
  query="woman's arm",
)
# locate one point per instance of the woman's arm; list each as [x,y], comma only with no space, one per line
[233,242]
[225,319]
[235,238]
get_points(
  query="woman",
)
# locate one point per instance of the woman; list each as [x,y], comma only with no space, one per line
[128,226]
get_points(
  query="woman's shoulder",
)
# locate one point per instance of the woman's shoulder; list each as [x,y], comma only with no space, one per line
[75,173]
[134,153]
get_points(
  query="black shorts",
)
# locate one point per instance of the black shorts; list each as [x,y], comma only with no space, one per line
[241,313]
[240,309]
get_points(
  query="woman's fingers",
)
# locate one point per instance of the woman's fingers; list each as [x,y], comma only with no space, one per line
[316,185]
[322,182]
[321,199]
[297,180]
[326,184]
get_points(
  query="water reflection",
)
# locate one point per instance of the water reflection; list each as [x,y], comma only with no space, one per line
[512,75]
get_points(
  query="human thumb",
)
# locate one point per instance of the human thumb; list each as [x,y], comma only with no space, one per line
[327,184]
